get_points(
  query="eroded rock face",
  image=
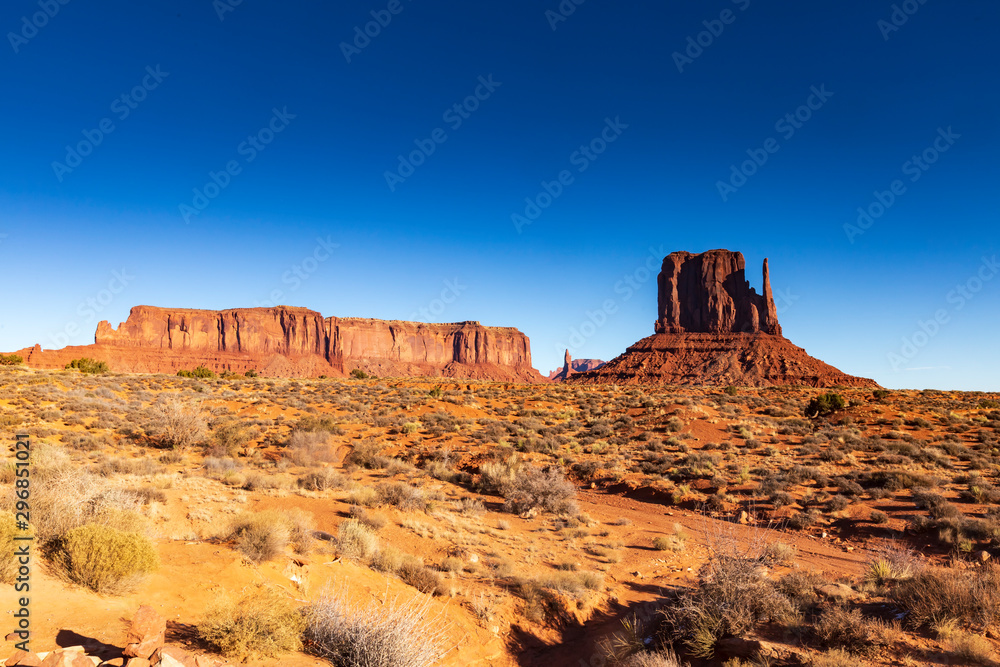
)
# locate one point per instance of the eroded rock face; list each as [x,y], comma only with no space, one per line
[712,328]
[298,342]
[571,366]
[709,293]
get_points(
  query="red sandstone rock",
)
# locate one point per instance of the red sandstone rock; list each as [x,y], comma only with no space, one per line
[146,634]
[23,659]
[298,342]
[570,367]
[713,329]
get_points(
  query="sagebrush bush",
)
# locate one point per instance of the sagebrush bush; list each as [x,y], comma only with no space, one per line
[933,596]
[356,540]
[534,488]
[232,435]
[104,559]
[393,635]
[261,623]
[261,536]
[321,480]
[175,424]
[306,448]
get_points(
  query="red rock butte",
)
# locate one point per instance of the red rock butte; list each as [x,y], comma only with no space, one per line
[297,342]
[712,328]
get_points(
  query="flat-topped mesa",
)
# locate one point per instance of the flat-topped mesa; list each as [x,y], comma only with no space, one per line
[290,341]
[709,293]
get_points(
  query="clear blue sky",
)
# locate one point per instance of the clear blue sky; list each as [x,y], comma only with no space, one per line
[197,87]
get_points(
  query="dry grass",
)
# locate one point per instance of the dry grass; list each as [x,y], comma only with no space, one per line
[393,635]
[105,560]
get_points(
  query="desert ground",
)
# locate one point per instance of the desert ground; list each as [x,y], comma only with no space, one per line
[499,524]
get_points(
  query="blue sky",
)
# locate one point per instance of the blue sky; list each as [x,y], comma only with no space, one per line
[621,124]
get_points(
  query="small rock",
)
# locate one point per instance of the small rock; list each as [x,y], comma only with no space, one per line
[744,518]
[137,662]
[146,634]
[23,659]
[114,662]
[984,556]
[637,574]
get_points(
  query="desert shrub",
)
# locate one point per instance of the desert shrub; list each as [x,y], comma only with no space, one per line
[313,423]
[65,497]
[733,598]
[104,559]
[11,360]
[825,404]
[416,574]
[306,448]
[496,475]
[260,536]
[835,658]
[779,553]
[971,649]
[88,365]
[878,517]
[232,435]
[840,627]
[393,635]
[260,623]
[174,424]
[8,561]
[401,495]
[200,372]
[321,480]
[367,454]
[251,373]
[359,374]
[373,520]
[937,595]
[534,488]
[356,540]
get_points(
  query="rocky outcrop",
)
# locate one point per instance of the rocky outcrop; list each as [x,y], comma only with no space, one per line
[712,328]
[298,342]
[571,366]
[709,293]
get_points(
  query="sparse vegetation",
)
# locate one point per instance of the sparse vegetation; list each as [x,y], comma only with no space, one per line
[261,623]
[87,365]
[104,559]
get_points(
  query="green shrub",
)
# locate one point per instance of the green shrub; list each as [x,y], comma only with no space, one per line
[88,365]
[11,360]
[261,623]
[251,373]
[881,393]
[731,390]
[104,559]
[199,372]
[359,374]
[825,404]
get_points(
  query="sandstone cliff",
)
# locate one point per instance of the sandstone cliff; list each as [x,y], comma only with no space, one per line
[712,328]
[287,341]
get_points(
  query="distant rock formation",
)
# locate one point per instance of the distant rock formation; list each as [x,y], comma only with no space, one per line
[298,342]
[570,367]
[712,328]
